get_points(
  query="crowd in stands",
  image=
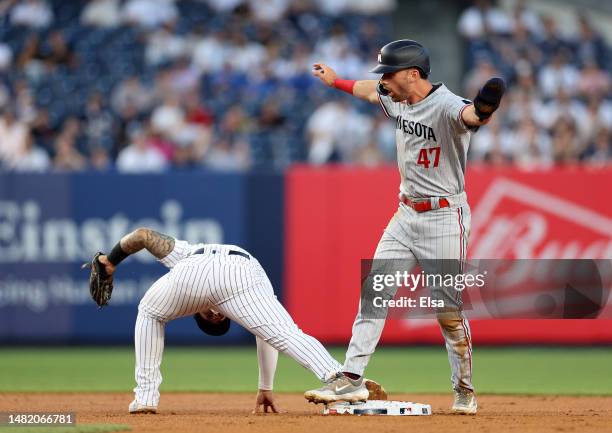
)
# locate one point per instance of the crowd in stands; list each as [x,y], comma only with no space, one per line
[150,85]
[147,85]
[558,109]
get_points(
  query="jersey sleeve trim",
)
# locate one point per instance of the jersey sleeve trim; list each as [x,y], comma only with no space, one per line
[382,105]
[461,121]
[181,249]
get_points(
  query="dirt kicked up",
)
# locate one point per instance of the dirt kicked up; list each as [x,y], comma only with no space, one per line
[207,412]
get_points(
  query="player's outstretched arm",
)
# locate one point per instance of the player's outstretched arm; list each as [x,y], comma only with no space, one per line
[158,244]
[267,356]
[485,103]
[362,89]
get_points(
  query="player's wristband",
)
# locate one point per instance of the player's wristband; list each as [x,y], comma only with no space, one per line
[344,85]
[117,255]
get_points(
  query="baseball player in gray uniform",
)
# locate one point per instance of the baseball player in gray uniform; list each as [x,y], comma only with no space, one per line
[214,282]
[433,129]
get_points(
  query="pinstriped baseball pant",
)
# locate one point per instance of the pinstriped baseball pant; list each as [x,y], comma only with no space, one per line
[235,286]
[423,238]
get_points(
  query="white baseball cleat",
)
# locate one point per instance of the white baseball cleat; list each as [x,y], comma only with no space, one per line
[136,407]
[465,403]
[339,388]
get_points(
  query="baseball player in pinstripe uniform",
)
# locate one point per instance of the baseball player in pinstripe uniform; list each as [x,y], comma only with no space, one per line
[215,282]
[433,129]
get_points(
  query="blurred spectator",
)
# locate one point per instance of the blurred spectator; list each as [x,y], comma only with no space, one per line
[324,132]
[197,132]
[337,7]
[42,131]
[521,47]
[67,157]
[334,45]
[164,45]
[140,156]
[210,52]
[6,57]
[149,13]
[101,13]
[384,137]
[184,78]
[160,143]
[268,10]
[529,145]
[168,119]
[599,151]
[23,102]
[98,123]
[299,63]
[558,74]
[131,92]
[597,116]
[129,120]
[32,13]
[59,52]
[245,56]
[270,118]
[33,159]
[551,43]
[235,123]
[478,76]
[561,106]
[37,59]
[100,160]
[13,138]
[196,113]
[527,18]
[593,81]
[493,144]
[30,59]
[565,143]
[224,6]
[591,47]
[371,7]
[226,155]
[482,19]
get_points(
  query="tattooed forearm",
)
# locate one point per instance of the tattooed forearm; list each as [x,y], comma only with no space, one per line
[158,244]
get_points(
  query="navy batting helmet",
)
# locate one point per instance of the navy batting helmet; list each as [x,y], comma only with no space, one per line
[402,54]
[212,324]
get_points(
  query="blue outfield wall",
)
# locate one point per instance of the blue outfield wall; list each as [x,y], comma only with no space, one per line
[51,224]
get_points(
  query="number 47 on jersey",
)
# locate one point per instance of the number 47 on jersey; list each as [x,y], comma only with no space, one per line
[426,156]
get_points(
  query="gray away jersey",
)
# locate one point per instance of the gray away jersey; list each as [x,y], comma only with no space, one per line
[432,143]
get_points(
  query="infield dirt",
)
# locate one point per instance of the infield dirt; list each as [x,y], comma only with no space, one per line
[208,412]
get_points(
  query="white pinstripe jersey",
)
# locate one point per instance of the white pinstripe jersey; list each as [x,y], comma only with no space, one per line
[432,143]
[230,280]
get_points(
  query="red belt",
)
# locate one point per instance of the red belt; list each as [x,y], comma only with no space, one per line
[425,205]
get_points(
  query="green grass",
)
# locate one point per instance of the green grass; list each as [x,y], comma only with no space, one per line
[416,370]
[79,428]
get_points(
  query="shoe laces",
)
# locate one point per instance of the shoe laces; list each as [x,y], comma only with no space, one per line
[334,376]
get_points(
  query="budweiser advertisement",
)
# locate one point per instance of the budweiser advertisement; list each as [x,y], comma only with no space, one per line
[336,215]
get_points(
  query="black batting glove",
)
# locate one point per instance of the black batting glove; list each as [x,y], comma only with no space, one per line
[489,98]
